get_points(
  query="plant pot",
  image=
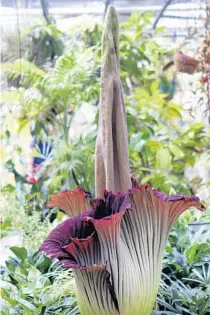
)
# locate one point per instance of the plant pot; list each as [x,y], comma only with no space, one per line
[185,63]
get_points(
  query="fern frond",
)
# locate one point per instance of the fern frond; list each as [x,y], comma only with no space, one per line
[43,28]
[34,103]
[68,79]
[23,67]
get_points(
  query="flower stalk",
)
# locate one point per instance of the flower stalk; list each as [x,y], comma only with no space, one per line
[115,243]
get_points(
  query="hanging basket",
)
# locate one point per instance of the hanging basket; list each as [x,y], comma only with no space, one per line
[185,63]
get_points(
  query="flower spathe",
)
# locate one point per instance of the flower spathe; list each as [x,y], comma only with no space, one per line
[116,248]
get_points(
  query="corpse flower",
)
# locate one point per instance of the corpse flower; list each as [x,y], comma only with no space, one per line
[114,243]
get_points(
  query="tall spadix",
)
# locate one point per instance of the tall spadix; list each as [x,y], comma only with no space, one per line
[112,171]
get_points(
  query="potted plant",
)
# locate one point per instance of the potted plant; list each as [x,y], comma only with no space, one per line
[185,63]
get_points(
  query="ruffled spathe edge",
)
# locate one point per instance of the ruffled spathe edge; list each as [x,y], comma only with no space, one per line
[81,227]
[73,202]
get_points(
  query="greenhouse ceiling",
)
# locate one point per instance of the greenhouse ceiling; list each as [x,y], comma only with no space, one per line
[176,15]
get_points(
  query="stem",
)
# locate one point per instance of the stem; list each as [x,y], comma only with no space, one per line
[144,163]
[161,13]
[66,126]
[75,178]
[50,21]
[45,11]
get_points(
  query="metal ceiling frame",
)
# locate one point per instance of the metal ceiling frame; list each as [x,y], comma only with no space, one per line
[162,15]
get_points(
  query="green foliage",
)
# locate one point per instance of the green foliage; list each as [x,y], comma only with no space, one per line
[46,42]
[184,287]
[180,298]
[167,144]
[5,227]
[62,90]
[21,216]
[31,284]
[20,252]
[26,290]
[195,253]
